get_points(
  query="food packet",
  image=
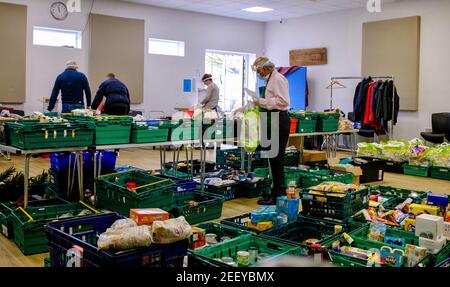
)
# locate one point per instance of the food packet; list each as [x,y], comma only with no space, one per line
[125,238]
[170,231]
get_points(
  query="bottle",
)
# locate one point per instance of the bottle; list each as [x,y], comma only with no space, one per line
[253,251]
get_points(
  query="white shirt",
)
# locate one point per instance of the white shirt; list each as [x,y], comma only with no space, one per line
[277,93]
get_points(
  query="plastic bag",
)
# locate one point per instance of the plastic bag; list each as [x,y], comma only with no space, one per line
[170,231]
[250,129]
[123,223]
[125,238]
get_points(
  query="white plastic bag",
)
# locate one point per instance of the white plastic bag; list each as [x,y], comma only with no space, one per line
[125,238]
[170,231]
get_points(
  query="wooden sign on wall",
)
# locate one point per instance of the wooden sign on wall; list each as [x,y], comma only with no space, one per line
[308,57]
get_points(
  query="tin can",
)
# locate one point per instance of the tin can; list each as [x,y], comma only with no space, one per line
[243,258]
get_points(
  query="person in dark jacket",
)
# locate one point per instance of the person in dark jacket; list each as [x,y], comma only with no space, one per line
[72,84]
[117,97]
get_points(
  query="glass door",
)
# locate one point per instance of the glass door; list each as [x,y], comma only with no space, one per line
[229,71]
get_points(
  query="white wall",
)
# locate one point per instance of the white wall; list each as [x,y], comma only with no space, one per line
[163,75]
[341,33]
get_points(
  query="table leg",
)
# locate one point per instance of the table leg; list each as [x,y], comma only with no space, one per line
[353,137]
[95,175]
[243,155]
[192,160]
[26,179]
[80,175]
[69,178]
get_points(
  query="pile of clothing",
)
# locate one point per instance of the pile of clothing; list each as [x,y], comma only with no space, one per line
[373,104]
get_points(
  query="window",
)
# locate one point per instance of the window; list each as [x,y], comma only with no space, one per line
[166,47]
[56,37]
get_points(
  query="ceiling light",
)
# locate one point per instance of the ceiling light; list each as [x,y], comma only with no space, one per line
[257,9]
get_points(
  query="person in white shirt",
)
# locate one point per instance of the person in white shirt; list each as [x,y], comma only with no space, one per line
[275,100]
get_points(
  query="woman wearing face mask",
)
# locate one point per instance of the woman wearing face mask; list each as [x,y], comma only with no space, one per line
[211,100]
[275,101]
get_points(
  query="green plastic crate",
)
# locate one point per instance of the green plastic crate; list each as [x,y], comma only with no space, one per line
[307,122]
[28,228]
[254,189]
[6,227]
[345,260]
[410,237]
[223,129]
[328,122]
[179,174]
[151,192]
[208,207]
[47,262]
[316,177]
[440,172]
[35,135]
[272,247]
[292,158]
[185,131]
[327,206]
[148,134]
[303,229]
[387,191]
[416,170]
[109,130]
[228,191]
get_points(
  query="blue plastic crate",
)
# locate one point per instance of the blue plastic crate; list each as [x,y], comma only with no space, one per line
[64,235]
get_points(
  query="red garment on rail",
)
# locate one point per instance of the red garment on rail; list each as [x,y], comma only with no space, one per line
[368,108]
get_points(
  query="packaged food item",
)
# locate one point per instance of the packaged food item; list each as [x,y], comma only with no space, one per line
[377,231]
[429,226]
[198,238]
[125,238]
[170,231]
[261,226]
[347,238]
[211,239]
[395,257]
[338,229]
[253,251]
[414,254]
[243,258]
[432,246]
[148,215]
[410,224]
[418,209]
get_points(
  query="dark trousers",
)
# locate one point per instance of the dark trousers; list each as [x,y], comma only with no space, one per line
[277,163]
[67,108]
[119,109]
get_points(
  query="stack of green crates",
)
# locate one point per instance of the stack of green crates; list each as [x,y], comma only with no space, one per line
[148,133]
[31,134]
[5,221]
[28,224]
[307,122]
[328,122]
[185,130]
[150,192]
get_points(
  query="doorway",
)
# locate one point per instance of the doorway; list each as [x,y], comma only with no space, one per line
[231,71]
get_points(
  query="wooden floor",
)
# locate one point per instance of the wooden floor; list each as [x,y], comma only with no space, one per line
[10,255]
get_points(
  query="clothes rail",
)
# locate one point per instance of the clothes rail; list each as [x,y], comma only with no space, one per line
[391,132]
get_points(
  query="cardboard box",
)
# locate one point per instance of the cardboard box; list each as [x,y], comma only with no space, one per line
[432,246]
[313,156]
[447,230]
[417,209]
[429,226]
[356,170]
[148,216]
[410,224]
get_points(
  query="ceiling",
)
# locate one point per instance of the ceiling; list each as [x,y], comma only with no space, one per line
[283,9]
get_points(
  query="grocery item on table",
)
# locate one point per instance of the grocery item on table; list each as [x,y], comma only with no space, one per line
[125,238]
[336,187]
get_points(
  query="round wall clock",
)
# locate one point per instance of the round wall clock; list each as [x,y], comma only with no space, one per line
[59,11]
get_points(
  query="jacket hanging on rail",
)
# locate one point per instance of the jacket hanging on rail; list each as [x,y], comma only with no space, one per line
[373,104]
